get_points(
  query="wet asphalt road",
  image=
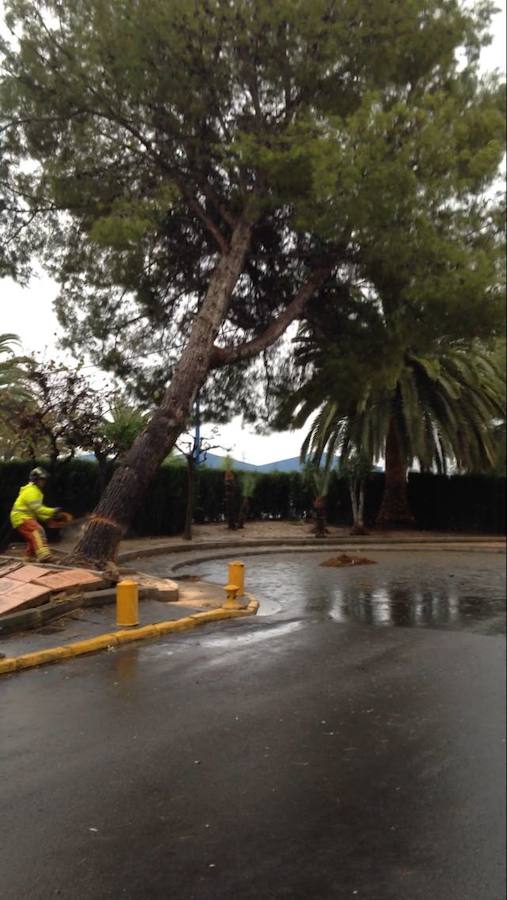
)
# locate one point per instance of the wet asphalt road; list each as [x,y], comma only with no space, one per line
[414,589]
[290,756]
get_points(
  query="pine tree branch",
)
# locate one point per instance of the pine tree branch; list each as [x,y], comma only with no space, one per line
[213,229]
[225,356]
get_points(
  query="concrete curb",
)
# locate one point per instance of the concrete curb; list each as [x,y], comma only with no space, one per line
[117,638]
[203,553]
[27,619]
[351,548]
[311,544]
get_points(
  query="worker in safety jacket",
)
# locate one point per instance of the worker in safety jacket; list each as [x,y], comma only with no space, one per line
[28,511]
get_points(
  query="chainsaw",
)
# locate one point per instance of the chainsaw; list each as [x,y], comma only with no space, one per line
[62,519]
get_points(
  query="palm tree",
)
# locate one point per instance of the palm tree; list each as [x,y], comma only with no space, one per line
[247,488]
[115,434]
[317,479]
[438,410]
[10,372]
[13,393]
[356,470]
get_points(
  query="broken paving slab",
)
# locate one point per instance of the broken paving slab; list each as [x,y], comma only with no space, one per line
[154,588]
[29,573]
[28,592]
[7,584]
[15,595]
[70,579]
[9,568]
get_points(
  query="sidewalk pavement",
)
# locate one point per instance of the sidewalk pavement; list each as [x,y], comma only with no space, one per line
[272,532]
[93,628]
[86,623]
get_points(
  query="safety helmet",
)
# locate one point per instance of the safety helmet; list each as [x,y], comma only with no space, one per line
[38,474]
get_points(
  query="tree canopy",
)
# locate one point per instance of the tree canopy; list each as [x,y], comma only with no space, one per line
[57,414]
[349,130]
[215,167]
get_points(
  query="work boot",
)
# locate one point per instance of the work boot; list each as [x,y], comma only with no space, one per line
[44,557]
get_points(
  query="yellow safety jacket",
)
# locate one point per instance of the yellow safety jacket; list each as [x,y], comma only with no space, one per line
[29,505]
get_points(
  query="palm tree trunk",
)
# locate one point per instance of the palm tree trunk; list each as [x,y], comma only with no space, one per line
[356,488]
[353,502]
[230,493]
[361,503]
[129,483]
[320,517]
[395,510]
[243,512]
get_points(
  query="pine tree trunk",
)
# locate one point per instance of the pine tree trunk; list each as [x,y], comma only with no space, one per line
[187,531]
[395,510]
[128,486]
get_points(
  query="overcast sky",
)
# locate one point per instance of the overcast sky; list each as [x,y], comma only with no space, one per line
[28,312]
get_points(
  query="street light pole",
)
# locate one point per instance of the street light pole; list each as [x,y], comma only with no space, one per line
[197,439]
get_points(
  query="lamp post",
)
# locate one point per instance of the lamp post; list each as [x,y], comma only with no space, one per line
[195,456]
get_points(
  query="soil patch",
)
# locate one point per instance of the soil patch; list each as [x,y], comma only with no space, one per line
[338,562]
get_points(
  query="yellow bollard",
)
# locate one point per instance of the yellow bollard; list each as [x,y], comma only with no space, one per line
[237,576]
[127,603]
[231,597]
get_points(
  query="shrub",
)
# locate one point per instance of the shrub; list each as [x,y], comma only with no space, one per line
[457,503]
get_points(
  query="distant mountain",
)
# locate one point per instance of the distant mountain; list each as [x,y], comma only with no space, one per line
[283,465]
[217,462]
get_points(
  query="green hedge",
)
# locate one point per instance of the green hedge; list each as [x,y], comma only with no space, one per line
[74,485]
[281,495]
[457,503]
[473,503]
[209,500]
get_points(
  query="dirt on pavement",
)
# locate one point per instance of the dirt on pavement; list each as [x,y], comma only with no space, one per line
[280,530]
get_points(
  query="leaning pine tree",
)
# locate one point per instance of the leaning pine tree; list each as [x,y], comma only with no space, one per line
[203,170]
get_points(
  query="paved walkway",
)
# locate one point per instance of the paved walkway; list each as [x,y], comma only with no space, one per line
[89,622]
[258,533]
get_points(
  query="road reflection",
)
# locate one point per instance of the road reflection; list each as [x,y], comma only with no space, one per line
[463,591]
[393,605]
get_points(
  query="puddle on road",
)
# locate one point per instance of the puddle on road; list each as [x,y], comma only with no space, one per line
[450,590]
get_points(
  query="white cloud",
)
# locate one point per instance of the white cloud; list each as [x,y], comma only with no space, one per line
[28,312]
[247,446]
